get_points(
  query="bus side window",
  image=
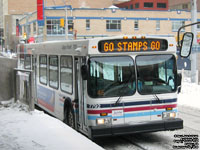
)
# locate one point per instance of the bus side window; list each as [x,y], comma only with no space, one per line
[66,74]
[43,69]
[27,62]
[21,60]
[53,71]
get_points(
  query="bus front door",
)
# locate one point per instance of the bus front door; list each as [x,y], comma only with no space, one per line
[80,87]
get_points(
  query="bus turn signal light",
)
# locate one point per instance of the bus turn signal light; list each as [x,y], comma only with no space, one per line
[169,108]
[103,114]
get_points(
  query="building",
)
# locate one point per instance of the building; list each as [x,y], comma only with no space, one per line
[88,19]
[144,5]
[90,23]
[182,4]
[10,10]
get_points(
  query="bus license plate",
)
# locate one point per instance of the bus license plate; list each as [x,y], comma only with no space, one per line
[117,113]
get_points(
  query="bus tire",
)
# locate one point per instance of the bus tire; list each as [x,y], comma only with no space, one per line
[69,118]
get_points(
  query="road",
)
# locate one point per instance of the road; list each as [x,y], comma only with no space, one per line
[164,140]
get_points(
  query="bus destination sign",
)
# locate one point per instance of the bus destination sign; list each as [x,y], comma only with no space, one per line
[132,45]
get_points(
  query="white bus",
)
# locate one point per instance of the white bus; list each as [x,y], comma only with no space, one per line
[107,86]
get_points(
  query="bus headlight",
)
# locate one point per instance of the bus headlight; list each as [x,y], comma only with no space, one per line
[102,121]
[169,115]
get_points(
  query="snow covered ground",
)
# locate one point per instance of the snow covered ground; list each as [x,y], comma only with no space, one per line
[190,94]
[24,130]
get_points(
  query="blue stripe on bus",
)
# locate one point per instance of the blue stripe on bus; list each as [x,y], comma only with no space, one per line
[137,103]
[95,117]
[128,115]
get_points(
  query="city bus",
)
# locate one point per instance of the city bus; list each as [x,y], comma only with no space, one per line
[107,86]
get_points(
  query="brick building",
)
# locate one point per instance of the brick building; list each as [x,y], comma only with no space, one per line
[10,10]
[106,22]
[182,4]
[89,19]
[145,5]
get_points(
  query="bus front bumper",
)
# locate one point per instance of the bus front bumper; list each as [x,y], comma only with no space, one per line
[153,126]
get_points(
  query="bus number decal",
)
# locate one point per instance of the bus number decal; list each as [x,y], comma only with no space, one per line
[93,105]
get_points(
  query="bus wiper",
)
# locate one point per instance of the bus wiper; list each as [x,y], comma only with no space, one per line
[157,98]
[118,100]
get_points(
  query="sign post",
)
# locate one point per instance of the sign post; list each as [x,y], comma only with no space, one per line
[194,31]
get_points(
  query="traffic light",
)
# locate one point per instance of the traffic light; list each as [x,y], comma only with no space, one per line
[24,35]
[62,22]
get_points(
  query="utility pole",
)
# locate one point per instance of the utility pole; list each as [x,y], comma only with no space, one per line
[66,24]
[27,27]
[194,31]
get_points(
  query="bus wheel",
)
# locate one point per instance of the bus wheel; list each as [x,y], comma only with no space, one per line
[69,120]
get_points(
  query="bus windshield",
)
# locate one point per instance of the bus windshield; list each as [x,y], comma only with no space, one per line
[111,77]
[156,74]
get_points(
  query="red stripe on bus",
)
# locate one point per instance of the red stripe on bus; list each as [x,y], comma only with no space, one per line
[99,111]
[149,107]
[46,105]
[133,109]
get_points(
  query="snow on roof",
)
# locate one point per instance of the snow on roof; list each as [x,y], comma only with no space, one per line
[112,6]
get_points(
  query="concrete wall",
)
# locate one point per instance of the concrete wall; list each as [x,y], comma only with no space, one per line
[6,77]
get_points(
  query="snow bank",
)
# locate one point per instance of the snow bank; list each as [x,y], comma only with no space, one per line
[24,130]
[190,95]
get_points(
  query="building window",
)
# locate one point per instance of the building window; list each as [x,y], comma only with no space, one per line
[70,26]
[53,71]
[185,6]
[87,24]
[161,5]
[177,24]
[137,5]
[148,5]
[40,30]
[54,28]
[34,27]
[157,24]
[113,24]
[131,7]
[66,79]
[27,62]
[136,25]
[43,69]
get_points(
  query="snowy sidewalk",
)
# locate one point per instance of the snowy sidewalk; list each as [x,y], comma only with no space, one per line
[23,130]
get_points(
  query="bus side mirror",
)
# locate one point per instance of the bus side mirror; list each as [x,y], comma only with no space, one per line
[84,72]
[186,45]
[179,78]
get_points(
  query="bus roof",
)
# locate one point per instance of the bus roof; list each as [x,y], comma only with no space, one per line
[100,46]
